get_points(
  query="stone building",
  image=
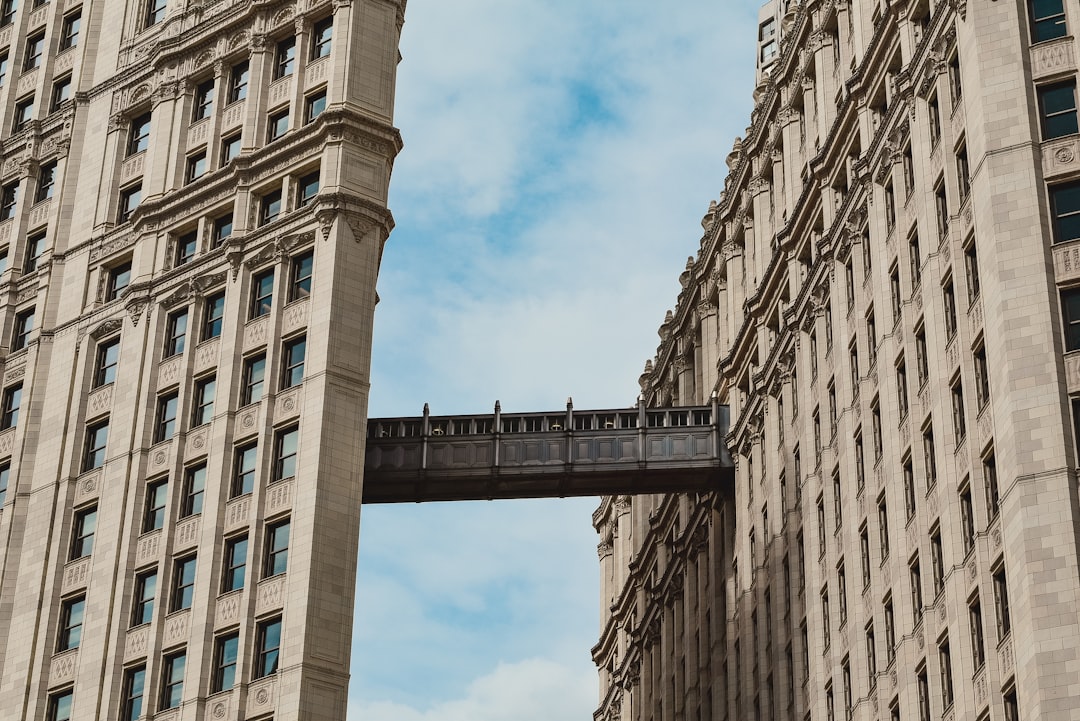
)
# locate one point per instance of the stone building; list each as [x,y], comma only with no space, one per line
[192,213]
[887,295]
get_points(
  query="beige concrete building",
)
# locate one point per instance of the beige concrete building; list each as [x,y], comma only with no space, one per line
[887,295]
[192,213]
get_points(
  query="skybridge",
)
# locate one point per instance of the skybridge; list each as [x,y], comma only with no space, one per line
[545,455]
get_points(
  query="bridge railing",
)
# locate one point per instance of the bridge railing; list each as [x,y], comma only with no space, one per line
[567,452]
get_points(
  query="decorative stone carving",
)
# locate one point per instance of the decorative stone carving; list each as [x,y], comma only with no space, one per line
[187,532]
[100,401]
[228,609]
[255,333]
[76,574]
[279,496]
[261,695]
[62,667]
[197,443]
[159,455]
[237,511]
[169,371]
[270,594]
[1049,58]
[247,420]
[295,316]
[136,643]
[86,487]
[147,548]
[7,441]
[176,626]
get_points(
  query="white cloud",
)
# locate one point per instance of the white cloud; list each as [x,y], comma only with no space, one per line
[530,690]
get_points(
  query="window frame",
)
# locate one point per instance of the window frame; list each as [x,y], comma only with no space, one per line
[152,512]
[267,657]
[11,404]
[202,409]
[322,37]
[144,598]
[182,592]
[284,58]
[234,574]
[83,528]
[226,654]
[213,320]
[245,469]
[176,328]
[172,681]
[292,369]
[276,550]
[193,491]
[69,32]
[202,106]
[166,415]
[69,627]
[253,387]
[94,455]
[286,451]
[46,182]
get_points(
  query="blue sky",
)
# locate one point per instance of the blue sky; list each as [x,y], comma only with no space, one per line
[558,159]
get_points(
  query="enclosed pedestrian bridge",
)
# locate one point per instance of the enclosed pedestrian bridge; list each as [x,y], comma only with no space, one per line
[542,455]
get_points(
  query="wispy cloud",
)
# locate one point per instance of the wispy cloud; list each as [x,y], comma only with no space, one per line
[558,158]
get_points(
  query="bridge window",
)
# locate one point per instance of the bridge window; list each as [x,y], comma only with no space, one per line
[583,423]
[511,425]
[704,418]
[555,423]
[628,420]
[679,418]
[411,429]
[484,425]
[654,420]
[461,428]
[607,421]
[534,425]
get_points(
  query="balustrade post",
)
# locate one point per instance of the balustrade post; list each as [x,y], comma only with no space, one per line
[425,429]
[496,431]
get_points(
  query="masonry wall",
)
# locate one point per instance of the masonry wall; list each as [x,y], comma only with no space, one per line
[192,215]
[882,296]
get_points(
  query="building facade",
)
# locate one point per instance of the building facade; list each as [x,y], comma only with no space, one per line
[886,294]
[192,215]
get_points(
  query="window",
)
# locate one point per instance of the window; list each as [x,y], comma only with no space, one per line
[1057,109]
[176,333]
[97,436]
[3,259]
[254,374]
[71,622]
[235,564]
[300,283]
[155,13]
[914,259]
[5,472]
[1047,19]
[238,81]
[841,591]
[871,338]
[915,579]
[194,488]
[172,681]
[69,34]
[157,494]
[118,279]
[821,525]
[183,583]
[909,171]
[901,388]
[35,48]
[849,285]
[826,626]
[203,411]
[971,268]
[35,246]
[3,66]
[767,39]
[139,134]
[204,101]
[46,182]
[978,641]
[314,105]
[186,245]
[982,377]
[196,165]
[963,173]
[7,11]
[949,299]
[890,208]
[959,422]
[285,449]
[945,669]
[937,561]
[890,631]
[61,93]
[838,498]
[1001,603]
[145,593]
[308,188]
[967,519]
[225,650]
[130,198]
[222,229]
[134,690]
[864,551]
[293,372]
[213,316]
[262,293]
[956,80]
[990,480]
[277,125]
[9,417]
[268,643]
[269,207]
[883,527]
[244,470]
[321,35]
[923,688]
[895,294]
[909,489]
[875,429]
[60,706]
[230,148]
[277,549]
[82,533]
[284,57]
[24,324]
[921,362]
[1012,708]
[9,196]
[24,113]
[871,655]
[165,425]
[941,208]
[934,114]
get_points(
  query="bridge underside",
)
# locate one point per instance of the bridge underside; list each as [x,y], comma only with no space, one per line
[547,455]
